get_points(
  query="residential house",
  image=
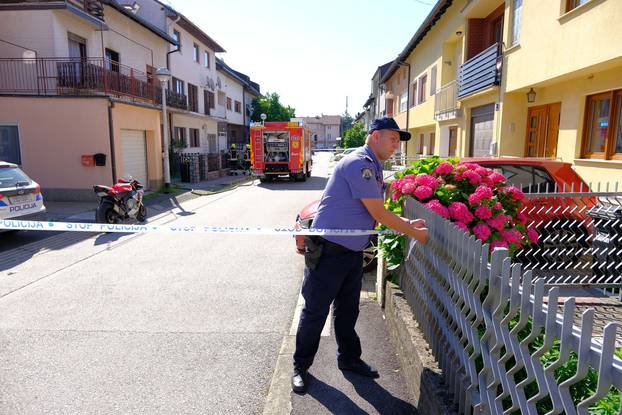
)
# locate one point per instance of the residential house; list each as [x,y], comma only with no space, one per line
[324,129]
[76,81]
[235,97]
[476,79]
[194,121]
[375,105]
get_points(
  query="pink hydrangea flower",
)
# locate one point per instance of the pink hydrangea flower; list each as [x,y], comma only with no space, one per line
[409,177]
[484,191]
[498,244]
[532,235]
[423,192]
[482,231]
[498,206]
[408,187]
[436,206]
[497,178]
[460,212]
[444,168]
[483,212]
[427,180]
[471,176]
[521,217]
[462,226]
[512,236]
[475,199]
[498,222]
[395,184]
[483,171]
[515,193]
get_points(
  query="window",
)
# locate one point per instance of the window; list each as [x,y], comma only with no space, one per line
[206,59]
[433,80]
[229,103]
[178,86]
[195,141]
[238,107]
[179,134]
[421,138]
[177,38]
[389,107]
[112,60]
[432,143]
[403,101]
[195,53]
[208,101]
[221,98]
[9,144]
[573,4]
[329,136]
[413,94]
[193,98]
[602,132]
[529,179]
[212,143]
[211,99]
[423,81]
[517,7]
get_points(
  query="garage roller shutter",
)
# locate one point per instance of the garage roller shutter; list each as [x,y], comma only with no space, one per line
[134,150]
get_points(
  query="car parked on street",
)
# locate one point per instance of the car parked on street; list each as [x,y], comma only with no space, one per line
[339,156]
[557,226]
[20,196]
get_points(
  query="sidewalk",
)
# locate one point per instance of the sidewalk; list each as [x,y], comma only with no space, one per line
[85,211]
[332,391]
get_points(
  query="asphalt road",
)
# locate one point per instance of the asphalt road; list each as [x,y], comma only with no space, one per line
[154,324]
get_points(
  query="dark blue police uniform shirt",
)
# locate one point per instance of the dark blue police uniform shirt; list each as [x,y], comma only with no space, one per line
[357,176]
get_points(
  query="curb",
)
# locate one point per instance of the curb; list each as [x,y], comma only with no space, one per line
[423,376]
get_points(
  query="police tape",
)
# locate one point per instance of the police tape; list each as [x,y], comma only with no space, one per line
[131,228]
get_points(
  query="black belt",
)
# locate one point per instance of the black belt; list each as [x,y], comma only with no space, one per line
[331,247]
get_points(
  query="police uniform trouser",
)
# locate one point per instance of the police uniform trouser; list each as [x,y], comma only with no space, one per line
[336,279]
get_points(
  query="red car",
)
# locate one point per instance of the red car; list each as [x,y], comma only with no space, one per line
[531,175]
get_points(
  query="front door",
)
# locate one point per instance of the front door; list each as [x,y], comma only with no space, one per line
[453,141]
[482,120]
[542,130]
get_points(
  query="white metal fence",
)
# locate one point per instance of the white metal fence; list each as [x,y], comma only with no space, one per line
[505,344]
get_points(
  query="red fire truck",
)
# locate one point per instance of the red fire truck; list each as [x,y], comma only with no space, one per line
[281,149]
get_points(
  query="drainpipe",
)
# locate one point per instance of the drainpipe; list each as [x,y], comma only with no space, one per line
[168,63]
[113,164]
[407,105]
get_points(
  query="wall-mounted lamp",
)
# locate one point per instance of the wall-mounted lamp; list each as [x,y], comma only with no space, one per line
[531,95]
[459,33]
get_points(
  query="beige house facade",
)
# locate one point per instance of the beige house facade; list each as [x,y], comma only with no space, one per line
[72,86]
[324,130]
[476,79]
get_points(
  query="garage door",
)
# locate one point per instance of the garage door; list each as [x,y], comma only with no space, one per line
[481,130]
[134,150]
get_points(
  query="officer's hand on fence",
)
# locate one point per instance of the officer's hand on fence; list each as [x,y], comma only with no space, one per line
[419,233]
[418,223]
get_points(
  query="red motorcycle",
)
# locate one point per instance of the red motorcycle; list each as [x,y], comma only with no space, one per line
[123,200]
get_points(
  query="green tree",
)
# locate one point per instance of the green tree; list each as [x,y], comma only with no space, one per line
[355,136]
[270,105]
[346,124]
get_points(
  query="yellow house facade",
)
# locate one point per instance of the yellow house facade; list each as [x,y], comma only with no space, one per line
[514,78]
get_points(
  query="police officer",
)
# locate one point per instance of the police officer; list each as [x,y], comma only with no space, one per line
[352,199]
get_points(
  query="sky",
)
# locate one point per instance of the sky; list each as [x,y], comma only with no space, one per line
[312,53]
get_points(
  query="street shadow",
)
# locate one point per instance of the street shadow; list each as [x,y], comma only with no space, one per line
[381,399]
[312,183]
[331,398]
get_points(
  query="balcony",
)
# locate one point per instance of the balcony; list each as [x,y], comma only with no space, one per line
[87,8]
[173,99]
[81,77]
[446,102]
[480,72]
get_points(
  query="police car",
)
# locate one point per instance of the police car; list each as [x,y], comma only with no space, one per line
[20,196]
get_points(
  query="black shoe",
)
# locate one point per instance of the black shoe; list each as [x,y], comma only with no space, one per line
[300,380]
[360,367]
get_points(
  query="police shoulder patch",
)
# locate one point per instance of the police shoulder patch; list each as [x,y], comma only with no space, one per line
[367,173]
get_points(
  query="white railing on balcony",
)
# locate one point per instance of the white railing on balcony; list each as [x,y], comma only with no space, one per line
[446,102]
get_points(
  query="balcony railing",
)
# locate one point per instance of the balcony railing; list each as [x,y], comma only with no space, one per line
[94,8]
[446,102]
[81,77]
[480,72]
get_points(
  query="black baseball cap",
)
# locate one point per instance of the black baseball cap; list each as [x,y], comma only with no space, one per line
[387,123]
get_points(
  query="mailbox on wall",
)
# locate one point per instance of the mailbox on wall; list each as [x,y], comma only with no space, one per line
[90,160]
[100,159]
